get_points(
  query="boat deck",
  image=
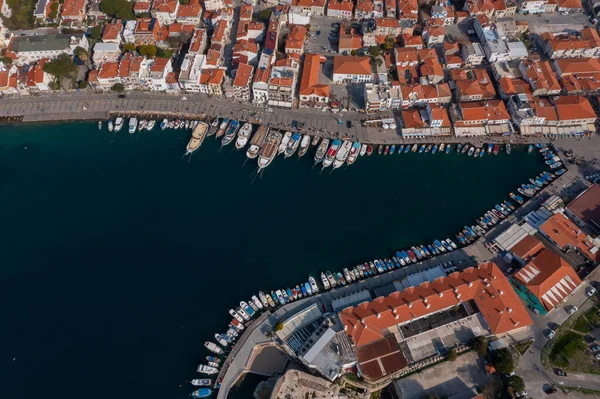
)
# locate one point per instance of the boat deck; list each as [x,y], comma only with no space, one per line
[259,137]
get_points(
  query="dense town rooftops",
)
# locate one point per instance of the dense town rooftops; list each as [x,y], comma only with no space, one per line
[541,75]
[112,31]
[243,75]
[485,284]
[72,8]
[588,39]
[528,247]
[587,205]
[574,107]
[166,6]
[490,110]
[471,82]
[343,5]
[347,65]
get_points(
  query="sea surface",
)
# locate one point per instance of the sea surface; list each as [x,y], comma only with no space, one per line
[119,258]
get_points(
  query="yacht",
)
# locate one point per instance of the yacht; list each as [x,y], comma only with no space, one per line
[342,154]
[164,124]
[321,150]
[269,149]
[132,125]
[325,281]
[257,141]
[111,126]
[292,145]
[118,124]
[230,133]
[284,142]
[363,150]
[207,369]
[331,153]
[204,382]
[243,136]
[313,284]
[304,144]
[202,393]
[354,152]
[150,124]
[211,346]
[198,136]
[222,127]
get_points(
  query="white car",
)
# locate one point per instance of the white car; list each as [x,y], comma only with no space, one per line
[590,291]
[572,309]
[184,98]
[550,334]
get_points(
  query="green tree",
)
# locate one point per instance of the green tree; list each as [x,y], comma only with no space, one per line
[184,2]
[83,84]
[128,47]
[118,87]
[52,14]
[54,6]
[503,361]
[516,383]
[480,345]
[81,53]
[265,14]
[162,53]
[60,66]
[452,355]
[379,61]
[308,27]
[6,60]
[122,9]
[96,32]
[278,326]
[353,53]
[374,51]
[389,44]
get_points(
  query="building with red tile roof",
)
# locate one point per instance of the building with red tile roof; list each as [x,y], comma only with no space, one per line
[585,209]
[579,66]
[112,32]
[570,6]
[431,71]
[481,118]
[295,40]
[245,52]
[433,120]
[540,77]
[549,278]
[574,110]
[412,41]
[406,56]
[563,233]
[508,87]
[142,7]
[352,69]
[485,285]
[312,93]
[242,81]
[527,248]
[408,11]
[189,14]
[473,84]
[165,11]
[73,11]
[198,42]
[211,81]
[342,9]
[380,358]
[565,45]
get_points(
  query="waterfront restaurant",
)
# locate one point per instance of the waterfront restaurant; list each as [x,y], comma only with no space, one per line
[477,301]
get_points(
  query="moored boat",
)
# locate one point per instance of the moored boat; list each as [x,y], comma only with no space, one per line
[331,153]
[414,148]
[222,128]
[321,150]
[201,382]
[496,149]
[269,149]
[369,150]
[342,154]
[243,136]
[197,138]
[363,150]
[354,152]
[151,124]
[284,142]
[202,393]
[230,132]
[204,369]
[448,149]
[508,148]
[442,147]
[313,284]
[164,124]
[304,144]
[392,149]
[133,122]
[380,149]
[465,148]
[292,145]
[211,346]
[471,151]
[530,148]
[257,141]
[325,281]
[434,149]
[315,140]
[111,126]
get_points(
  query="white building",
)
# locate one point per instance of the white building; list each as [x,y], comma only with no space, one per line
[105,52]
[30,49]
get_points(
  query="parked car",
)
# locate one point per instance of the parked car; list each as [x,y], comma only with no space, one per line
[590,291]
[550,391]
[597,356]
[550,334]
[533,309]
[560,373]
[572,309]
[122,96]
[349,124]
[595,348]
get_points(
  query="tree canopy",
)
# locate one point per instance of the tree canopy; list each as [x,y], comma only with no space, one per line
[118,8]
[118,87]
[503,361]
[516,383]
[128,47]
[96,32]
[147,50]
[374,51]
[265,14]
[480,345]
[389,44]
[60,66]
[452,355]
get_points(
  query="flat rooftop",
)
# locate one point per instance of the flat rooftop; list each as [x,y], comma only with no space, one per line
[41,43]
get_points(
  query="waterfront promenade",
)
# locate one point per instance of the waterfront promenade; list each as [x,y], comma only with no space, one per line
[100,106]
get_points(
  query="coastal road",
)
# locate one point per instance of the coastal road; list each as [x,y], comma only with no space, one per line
[88,105]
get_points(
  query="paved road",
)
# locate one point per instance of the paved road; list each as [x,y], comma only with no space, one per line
[530,366]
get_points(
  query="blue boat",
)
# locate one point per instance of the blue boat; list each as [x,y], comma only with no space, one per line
[481,153]
[422,148]
[448,148]
[202,393]
[378,266]
[392,149]
[431,249]
[308,288]
[530,148]
[289,294]
[303,289]
[407,149]
[490,147]
[560,172]
[458,147]
[247,308]
[274,297]
[163,124]
[438,245]
[425,250]
[400,149]
[406,257]
[434,149]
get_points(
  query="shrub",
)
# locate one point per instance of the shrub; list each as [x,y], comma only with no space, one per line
[452,355]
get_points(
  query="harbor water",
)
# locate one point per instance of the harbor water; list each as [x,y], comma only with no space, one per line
[119,258]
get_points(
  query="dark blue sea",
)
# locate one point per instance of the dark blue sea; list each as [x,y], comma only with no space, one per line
[118,258]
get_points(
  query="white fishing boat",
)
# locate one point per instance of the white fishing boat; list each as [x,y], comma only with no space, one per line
[150,124]
[354,152]
[201,382]
[243,136]
[132,125]
[118,124]
[257,141]
[257,302]
[111,126]
[313,284]
[284,142]
[315,140]
[325,281]
[211,346]
[363,150]
[204,369]
[292,145]
[263,299]
[236,316]
[221,340]
[142,125]
[304,144]
[164,124]
[331,153]
[269,149]
[321,150]
[99,125]
[342,154]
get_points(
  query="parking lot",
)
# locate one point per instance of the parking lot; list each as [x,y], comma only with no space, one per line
[320,31]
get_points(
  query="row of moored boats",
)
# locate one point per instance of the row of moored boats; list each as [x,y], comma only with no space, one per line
[135,125]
